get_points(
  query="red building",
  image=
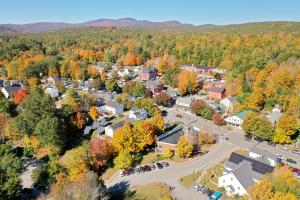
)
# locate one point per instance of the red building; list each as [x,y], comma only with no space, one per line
[217,93]
[154,86]
[148,73]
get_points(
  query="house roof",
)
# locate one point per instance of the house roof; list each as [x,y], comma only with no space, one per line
[263,153]
[217,89]
[274,116]
[153,84]
[256,166]
[148,70]
[12,88]
[243,114]
[171,136]
[245,169]
[232,99]
[113,104]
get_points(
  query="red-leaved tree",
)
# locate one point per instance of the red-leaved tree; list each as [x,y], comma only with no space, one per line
[100,151]
[19,96]
[218,119]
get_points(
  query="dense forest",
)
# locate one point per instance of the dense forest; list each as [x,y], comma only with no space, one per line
[263,70]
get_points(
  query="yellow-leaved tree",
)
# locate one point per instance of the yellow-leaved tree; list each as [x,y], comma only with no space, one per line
[187,82]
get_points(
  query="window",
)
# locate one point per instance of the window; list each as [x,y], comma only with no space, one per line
[231,178]
[238,188]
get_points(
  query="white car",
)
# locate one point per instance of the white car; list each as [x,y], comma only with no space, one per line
[284,148]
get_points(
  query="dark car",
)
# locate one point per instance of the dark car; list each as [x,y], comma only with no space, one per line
[258,139]
[137,170]
[179,116]
[165,164]
[142,169]
[159,165]
[271,143]
[209,193]
[147,168]
[291,161]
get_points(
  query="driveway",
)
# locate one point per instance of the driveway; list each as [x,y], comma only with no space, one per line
[174,172]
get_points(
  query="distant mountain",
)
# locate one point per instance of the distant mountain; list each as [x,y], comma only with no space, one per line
[149,25]
[124,22]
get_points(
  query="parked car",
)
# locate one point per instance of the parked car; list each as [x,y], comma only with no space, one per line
[258,139]
[198,186]
[152,166]
[159,165]
[179,116]
[284,148]
[165,164]
[137,170]
[209,192]
[271,143]
[296,152]
[147,168]
[215,195]
[291,161]
[122,173]
[142,169]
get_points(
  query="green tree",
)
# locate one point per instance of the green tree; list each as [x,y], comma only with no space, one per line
[123,160]
[48,132]
[258,125]
[10,170]
[112,85]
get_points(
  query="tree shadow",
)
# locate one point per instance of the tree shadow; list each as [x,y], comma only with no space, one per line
[120,190]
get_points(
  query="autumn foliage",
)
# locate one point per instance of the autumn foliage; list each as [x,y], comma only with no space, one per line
[20,95]
[100,151]
[187,83]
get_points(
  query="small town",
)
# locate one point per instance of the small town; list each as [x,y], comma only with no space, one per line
[135,109]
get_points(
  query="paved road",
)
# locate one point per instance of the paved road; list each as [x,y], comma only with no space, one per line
[236,135]
[174,172]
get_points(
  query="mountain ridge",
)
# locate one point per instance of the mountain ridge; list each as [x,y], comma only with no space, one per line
[134,23]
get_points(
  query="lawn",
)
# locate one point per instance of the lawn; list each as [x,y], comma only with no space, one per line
[151,157]
[210,179]
[242,152]
[188,180]
[109,172]
[152,191]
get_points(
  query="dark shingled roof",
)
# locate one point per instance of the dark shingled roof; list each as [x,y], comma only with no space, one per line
[217,89]
[257,166]
[12,88]
[148,70]
[171,136]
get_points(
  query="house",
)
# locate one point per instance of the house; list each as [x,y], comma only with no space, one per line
[113,107]
[263,156]
[240,172]
[137,114]
[9,90]
[125,72]
[277,108]
[171,93]
[228,103]
[110,129]
[148,73]
[184,102]
[154,86]
[217,93]
[53,79]
[274,116]
[208,84]
[169,140]
[52,91]
[237,119]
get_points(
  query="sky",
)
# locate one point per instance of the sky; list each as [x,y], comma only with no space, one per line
[187,11]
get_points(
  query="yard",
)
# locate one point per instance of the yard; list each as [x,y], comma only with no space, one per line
[212,176]
[188,180]
[153,191]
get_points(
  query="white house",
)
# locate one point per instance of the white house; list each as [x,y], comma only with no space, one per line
[110,129]
[137,114]
[113,107]
[184,101]
[228,103]
[240,172]
[52,92]
[237,119]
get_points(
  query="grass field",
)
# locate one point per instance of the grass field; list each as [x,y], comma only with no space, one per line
[212,176]
[153,191]
[188,180]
